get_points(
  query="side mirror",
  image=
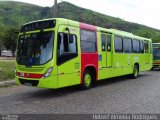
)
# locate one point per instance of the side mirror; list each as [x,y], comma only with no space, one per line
[67,29]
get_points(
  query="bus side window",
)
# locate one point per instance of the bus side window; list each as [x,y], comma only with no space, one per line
[72,46]
[60,44]
[127,45]
[103,45]
[88,41]
[67,47]
[108,43]
[136,46]
[142,46]
[118,44]
[103,42]
[151,49]
[146,47]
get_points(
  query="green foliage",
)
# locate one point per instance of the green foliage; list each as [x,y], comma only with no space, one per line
[14,17]
[1,42]
[7,68]
[10,39]
[67,10]
[14,14]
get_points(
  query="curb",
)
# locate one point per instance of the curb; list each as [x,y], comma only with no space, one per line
[7,83]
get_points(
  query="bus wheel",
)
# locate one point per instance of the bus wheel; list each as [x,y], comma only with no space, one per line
[134,75]
[87,80]
[152,68]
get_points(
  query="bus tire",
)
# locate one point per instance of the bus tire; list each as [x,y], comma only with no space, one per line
[87,80]
[134,75]
[152,68]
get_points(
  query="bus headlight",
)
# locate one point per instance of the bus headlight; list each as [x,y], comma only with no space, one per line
[48,72]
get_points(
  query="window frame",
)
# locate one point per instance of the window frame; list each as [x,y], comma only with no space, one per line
[109,50]
[136,52]
[147,46]
[131,45]
[69,56]
[54,35]
[114,44]
[103,42]
[142,46]
[95,42]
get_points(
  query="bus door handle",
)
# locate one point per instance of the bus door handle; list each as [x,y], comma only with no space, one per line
[61,73]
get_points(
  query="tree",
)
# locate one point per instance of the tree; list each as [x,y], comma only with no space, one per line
[45,12]
[10,39]
[1,43]
[0,46]
[55,9]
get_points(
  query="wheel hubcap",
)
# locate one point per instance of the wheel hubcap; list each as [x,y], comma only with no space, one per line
[135,71]
[87,79]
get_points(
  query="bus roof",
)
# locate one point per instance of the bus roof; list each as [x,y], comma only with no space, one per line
[122,33]
[62,20]
[76,24]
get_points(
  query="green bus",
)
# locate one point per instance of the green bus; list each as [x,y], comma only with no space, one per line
[156,55]
[55,53]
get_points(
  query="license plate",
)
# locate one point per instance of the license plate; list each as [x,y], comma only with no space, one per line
[28,84]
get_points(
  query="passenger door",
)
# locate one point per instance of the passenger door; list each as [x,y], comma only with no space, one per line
[106,50]
[68,57]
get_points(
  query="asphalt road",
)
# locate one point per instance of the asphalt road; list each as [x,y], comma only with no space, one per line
[118,95]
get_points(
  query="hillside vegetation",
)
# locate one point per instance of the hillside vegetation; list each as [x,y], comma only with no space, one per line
[14,14]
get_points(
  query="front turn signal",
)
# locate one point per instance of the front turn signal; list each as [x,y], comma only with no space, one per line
[48,72]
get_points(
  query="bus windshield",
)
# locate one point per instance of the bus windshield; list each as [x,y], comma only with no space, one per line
[156,53]
[35,48]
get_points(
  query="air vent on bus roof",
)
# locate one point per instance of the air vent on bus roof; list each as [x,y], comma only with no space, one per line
[38,25]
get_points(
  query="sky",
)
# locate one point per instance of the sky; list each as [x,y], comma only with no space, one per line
[144,12]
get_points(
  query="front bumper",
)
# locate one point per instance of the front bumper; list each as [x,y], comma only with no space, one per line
[50,82]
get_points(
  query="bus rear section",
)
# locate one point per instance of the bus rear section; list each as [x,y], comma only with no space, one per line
[156,55]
